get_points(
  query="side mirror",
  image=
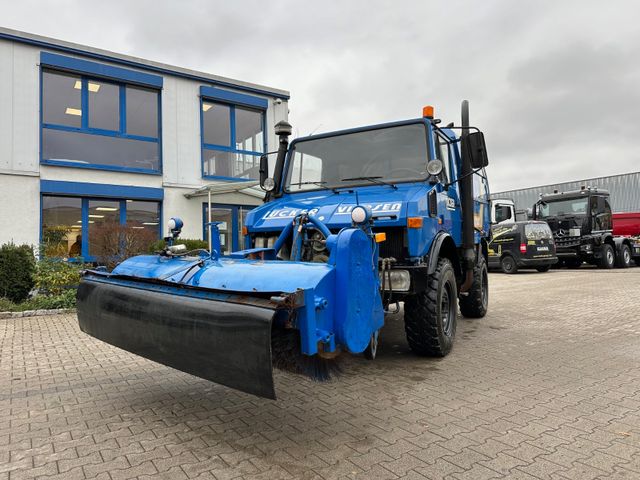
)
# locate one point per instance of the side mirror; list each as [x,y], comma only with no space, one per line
[264,169]
[476,150]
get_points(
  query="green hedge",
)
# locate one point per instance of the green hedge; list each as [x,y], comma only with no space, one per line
[55,276]
[41,302]
[17,268]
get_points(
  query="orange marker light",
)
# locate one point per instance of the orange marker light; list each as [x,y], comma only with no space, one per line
[414,222]
[380,237]
[427,111]
[245,231]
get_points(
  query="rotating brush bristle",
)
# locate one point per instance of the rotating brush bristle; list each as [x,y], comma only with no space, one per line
[286,355]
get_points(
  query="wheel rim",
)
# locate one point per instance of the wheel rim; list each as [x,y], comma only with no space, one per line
[626,256]
[507,264]
[373,345]
[484,281]
[609,256]
[446,310]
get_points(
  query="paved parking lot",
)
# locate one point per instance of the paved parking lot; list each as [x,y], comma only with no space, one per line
[546,386]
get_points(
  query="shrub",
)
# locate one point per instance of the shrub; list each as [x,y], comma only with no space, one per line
[190,243]
[55,276]
[17,266]
[66,299]
[111,242]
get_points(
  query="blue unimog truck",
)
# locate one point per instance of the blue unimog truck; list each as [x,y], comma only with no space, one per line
[353,222]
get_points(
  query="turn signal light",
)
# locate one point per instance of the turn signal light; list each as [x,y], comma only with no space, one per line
[523,248]
[245,230]
[414,222]
[427,111]
[380,237]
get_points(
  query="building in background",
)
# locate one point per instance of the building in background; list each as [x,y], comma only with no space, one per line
[89,136]
[624,190]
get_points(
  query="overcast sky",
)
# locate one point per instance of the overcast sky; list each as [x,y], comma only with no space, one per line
[555,85]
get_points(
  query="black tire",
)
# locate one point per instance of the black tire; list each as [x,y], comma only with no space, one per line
[476,303]
[623,259]
[430,317]
[607,258]
[637,260]
[573,263]
[543,268]
[508,264]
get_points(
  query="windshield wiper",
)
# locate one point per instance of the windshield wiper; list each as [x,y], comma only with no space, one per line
[375,179]
[320,184]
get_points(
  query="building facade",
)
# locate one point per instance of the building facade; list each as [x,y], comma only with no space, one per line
[624,191]
[90,138]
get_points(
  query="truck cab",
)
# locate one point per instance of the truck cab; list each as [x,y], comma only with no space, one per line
[582,226]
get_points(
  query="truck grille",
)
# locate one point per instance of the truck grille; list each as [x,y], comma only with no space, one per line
[564,242]
[394,246]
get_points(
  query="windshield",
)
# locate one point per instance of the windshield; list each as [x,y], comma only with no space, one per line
[575,206]
[393,154]
[537,231]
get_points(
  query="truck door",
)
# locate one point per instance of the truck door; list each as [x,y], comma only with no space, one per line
[449,196]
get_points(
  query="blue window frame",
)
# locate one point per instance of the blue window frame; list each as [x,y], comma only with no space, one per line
[233,218]
[69,210]
[100,122]
[232,131]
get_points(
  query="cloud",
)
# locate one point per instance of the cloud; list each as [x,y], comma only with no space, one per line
[553,84]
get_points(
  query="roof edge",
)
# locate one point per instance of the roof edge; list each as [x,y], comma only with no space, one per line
[137,62]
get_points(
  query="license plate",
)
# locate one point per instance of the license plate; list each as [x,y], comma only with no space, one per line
[543,249]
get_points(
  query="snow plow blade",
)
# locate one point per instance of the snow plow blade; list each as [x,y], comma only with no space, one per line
[222,338]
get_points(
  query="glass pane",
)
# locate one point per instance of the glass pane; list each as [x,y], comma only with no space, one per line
[104,105]
[144,215]
[393,154]
[142,112]
[61,226]
[61,104]
[224,215]
[249,135]
[104,221]
[216,124]
[228,164]
[99,150]
[242,217]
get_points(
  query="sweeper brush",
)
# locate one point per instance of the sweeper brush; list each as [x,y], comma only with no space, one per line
[231,319]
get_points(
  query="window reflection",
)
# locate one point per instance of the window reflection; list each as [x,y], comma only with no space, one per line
[142,112]
[216,124]
[88,149]
[61,226]
[61,99]
[249,134]
[104,106]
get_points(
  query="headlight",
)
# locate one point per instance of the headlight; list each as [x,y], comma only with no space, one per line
[434,167]
[400,280]
[269,184]
[360,214]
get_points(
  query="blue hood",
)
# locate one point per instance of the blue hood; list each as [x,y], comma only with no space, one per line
[389,206]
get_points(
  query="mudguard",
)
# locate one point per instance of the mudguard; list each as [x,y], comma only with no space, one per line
[225,342]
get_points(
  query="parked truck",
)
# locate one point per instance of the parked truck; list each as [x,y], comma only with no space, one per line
[354,222]
[583,229]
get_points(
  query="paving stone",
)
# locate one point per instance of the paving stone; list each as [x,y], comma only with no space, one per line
[536,389]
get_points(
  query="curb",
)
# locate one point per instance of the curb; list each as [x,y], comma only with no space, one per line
[34,313]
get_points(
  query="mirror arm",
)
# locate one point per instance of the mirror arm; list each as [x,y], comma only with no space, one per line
[472,172]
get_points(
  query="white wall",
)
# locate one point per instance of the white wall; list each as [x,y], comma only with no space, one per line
[20,209]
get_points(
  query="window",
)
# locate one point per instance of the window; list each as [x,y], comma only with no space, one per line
[70,224]
[392,154]
[503,213]
[90,122]
[61,226]
[233,219]
[232,140]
